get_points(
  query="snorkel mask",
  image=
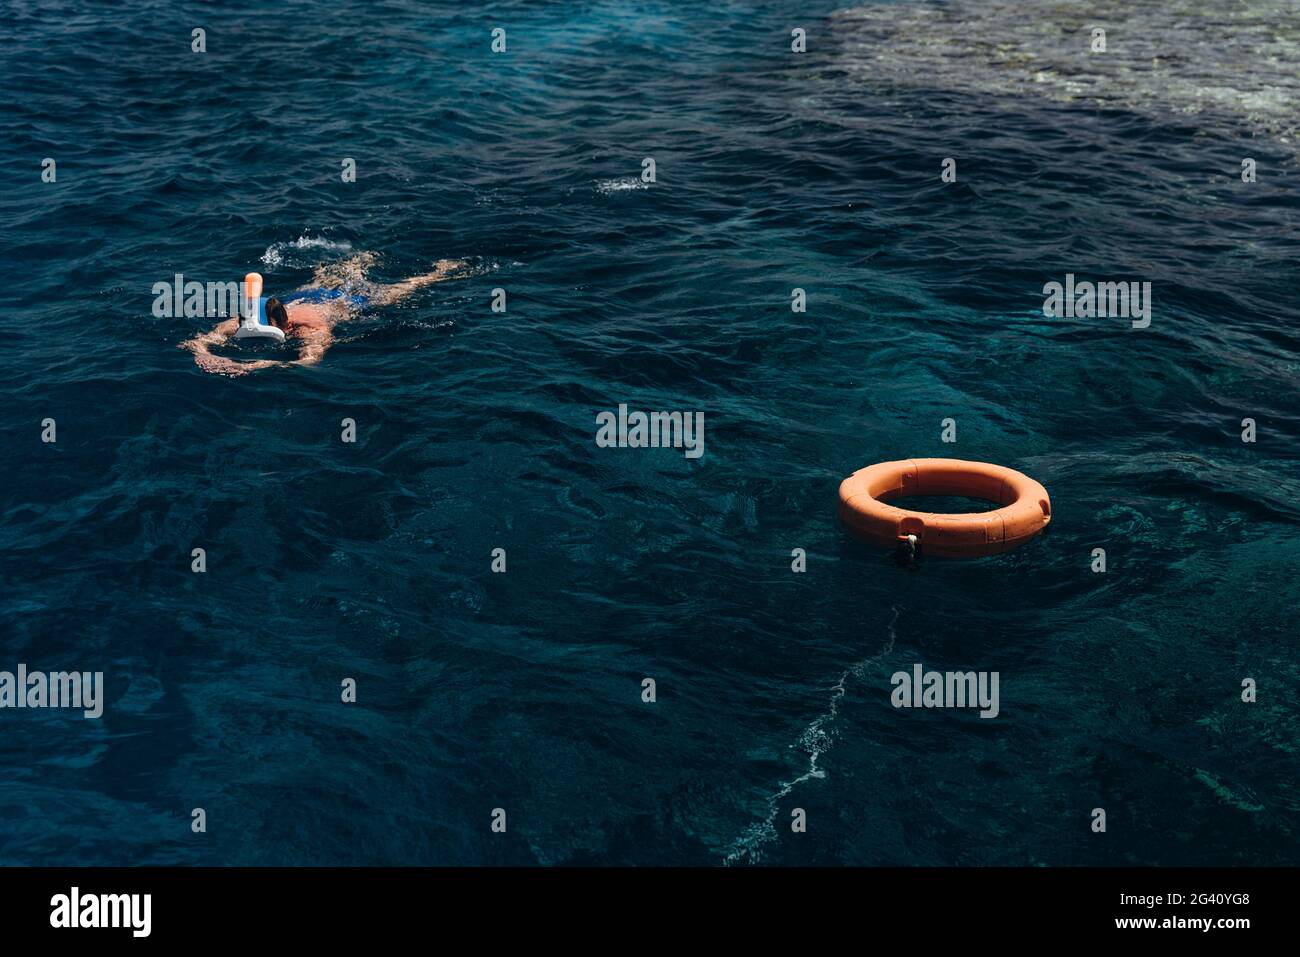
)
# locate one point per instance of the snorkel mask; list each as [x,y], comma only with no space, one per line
[253,323]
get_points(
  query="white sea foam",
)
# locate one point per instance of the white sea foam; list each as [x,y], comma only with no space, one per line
[1234,61]
[815,740]
[605,187]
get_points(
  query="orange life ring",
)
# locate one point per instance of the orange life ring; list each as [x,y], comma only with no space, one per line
[1024,508]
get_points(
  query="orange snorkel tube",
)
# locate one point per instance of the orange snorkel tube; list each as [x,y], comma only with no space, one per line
[253,323]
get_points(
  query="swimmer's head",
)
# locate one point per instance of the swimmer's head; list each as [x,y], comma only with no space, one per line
[276,314]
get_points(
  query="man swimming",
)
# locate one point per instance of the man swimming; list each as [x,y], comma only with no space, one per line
[309,314]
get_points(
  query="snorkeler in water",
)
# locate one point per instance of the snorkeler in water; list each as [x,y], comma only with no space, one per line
[337,292]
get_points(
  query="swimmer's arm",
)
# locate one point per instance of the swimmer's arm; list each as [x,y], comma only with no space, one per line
[223,366]
[201,346]
[313,349]
[219,334]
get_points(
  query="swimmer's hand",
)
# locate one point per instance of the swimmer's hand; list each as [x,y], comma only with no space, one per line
[220,365]
[450,268]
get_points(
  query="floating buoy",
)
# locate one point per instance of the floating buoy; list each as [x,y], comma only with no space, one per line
[1023,510]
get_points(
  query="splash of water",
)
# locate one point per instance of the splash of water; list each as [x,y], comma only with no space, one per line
[305,251]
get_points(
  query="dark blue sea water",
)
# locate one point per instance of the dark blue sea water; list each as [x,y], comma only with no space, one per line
[476,430]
